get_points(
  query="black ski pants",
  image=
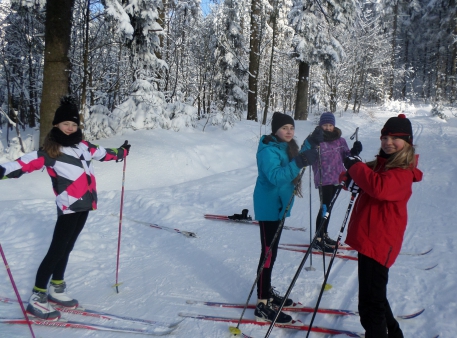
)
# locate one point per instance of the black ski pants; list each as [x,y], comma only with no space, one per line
[267,232]
[66,232]
[327,193]
[375,314]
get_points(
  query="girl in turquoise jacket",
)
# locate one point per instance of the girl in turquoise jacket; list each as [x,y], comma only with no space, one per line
[279,162]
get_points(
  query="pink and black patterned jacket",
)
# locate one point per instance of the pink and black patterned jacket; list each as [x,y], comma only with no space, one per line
[72,173]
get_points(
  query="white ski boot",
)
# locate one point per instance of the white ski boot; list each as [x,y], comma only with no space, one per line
[39,307]
[58,295]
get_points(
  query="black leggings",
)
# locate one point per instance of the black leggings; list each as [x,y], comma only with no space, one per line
[328,191]
[66,232]
[267,232]
[375,314]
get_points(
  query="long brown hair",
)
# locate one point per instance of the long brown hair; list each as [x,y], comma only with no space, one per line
[404,159]
[51,147]
[292,151]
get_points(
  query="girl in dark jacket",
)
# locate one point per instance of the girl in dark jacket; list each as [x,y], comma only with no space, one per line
[67,159]
[278,162]
[379,219]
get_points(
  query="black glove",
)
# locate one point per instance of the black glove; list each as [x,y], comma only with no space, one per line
[350,161]
[349,183]
[2,172]
[316,137]
[126,146]
[306,158]
[356,148]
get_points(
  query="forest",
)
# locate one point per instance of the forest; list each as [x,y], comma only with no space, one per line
[146,64]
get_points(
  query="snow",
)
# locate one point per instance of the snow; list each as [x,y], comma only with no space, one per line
[172,179]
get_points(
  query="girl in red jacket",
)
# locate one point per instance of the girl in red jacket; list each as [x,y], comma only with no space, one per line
[379,219]
[68,160]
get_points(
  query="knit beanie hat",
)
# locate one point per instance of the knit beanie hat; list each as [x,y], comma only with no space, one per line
[279,120]
[67,111]
[327,118]
[398,126]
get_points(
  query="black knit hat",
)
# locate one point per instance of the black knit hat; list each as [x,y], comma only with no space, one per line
[399,126]
[279,120]
[67,111]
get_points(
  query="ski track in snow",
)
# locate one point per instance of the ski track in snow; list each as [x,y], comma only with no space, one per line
[172,179]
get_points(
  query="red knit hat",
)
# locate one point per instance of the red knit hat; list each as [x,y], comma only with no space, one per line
[398,126]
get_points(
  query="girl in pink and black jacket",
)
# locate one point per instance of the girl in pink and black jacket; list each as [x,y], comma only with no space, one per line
[378,220]
[68,161]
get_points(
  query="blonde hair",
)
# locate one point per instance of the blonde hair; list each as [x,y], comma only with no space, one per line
[404,159]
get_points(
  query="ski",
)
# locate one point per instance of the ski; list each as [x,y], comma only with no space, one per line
[99,314]
[162,227]
[348,248]
[295,324]
[296,307]
[247,221]
[343,256]
[329,254]
[87,326]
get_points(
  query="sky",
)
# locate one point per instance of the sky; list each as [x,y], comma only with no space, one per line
[173,179]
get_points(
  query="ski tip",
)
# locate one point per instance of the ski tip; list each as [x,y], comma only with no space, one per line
[235,331]
[412,315]
[431,267]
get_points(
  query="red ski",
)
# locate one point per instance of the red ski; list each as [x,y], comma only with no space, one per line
[295,324]
[296,307]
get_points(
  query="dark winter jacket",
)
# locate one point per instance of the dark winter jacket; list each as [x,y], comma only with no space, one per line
[379,216]
[72,173]
[274,185]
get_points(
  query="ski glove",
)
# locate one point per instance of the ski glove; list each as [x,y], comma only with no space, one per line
[126,146]
[350,161]
[2,172]
[316,137]
[356,148]
[305,158]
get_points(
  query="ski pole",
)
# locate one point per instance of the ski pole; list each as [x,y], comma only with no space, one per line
[356,134]
[322,209]
[343,225]
[236,330]
[300,267]
[120,226]
[310,267]
[16,291]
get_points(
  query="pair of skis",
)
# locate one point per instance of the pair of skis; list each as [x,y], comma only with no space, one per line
[295,324]
[158,328]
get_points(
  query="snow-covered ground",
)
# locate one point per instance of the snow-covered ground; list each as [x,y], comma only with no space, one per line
[172,179]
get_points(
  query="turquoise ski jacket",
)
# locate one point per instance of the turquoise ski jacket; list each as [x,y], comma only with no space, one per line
[274,186]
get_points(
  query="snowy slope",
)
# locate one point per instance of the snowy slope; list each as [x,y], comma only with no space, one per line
[172,179]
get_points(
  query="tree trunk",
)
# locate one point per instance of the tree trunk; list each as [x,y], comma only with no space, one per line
[254,59]
[394,39]
[301,102]
[267,98]
[56,77]
[85,61]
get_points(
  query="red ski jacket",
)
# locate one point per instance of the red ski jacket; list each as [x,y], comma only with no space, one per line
[379,216]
